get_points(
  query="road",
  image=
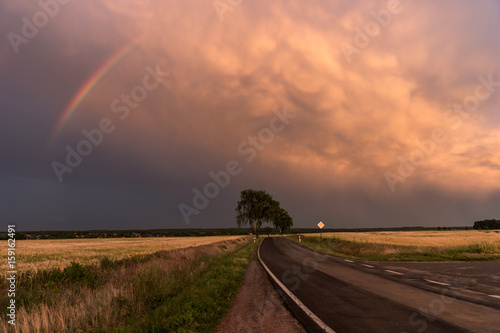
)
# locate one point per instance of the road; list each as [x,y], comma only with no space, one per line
[353,296]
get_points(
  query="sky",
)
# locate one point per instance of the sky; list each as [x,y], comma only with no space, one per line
[120,114]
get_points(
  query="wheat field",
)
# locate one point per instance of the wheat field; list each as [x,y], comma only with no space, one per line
[44,254]
[433,238]
[154,294]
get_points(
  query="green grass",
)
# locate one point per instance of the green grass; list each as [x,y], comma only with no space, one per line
[50,286]
[192,300]
[390,252]
[187,290]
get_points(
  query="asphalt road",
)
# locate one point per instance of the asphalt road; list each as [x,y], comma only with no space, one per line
[352,296]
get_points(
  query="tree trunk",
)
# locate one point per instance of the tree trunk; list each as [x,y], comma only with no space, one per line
[255,229]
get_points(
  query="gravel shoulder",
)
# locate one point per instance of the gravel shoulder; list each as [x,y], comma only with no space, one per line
[257,306]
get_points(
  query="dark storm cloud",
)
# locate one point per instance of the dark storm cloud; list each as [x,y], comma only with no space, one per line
[353,120]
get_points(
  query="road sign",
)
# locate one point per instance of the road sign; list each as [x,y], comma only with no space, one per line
[321,225]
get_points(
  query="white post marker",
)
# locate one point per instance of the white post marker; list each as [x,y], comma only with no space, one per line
[300,239]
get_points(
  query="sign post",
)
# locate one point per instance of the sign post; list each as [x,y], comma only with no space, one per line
[321,225]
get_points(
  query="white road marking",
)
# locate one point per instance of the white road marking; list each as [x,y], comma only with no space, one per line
[436,282]
[348,260]
[495,296]
[304,308]
[370,266]
[394,272]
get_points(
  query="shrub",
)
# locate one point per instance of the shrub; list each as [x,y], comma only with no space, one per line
[81,275]
[487,224]
[106,263]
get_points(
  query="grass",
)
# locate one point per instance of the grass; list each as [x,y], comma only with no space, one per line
[444,238]
[462,245]
[187,290]
[46,254]
[190,302]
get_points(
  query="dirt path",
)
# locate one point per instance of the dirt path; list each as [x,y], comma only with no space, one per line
[257,307]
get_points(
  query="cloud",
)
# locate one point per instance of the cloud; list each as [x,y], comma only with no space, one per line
[353,120]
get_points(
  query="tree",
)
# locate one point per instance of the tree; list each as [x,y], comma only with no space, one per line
[487,224]
[254,208]
[281,219]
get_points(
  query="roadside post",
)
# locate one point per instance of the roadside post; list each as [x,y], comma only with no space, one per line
[300,240]
[321,225]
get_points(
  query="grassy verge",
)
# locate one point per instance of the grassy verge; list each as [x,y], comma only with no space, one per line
[391,252]
[189,302]
[187,290]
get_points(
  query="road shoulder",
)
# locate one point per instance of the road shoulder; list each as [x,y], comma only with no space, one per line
[258,307]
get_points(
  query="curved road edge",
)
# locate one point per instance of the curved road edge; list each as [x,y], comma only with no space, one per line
[305,315]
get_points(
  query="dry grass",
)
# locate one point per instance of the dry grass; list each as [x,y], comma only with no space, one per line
[435,245]
[92,307]
[127,293]
[449,238]
[59,253]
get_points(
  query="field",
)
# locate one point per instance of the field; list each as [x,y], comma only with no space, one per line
[409,245]
[45,254]
[127,285]
[420,238]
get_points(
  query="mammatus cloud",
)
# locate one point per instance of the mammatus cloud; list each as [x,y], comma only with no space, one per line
[391,103]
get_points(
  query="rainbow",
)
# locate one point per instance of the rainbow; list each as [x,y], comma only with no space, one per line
[88,86]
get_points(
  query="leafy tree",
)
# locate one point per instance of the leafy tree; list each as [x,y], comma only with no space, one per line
[281,219]
[254,208]
[487,224]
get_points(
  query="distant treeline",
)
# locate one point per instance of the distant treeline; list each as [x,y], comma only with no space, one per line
[487,224]
[202,232]
[416,228]
[125,233]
